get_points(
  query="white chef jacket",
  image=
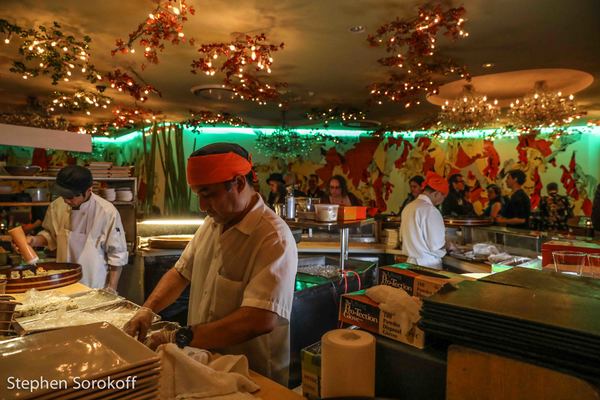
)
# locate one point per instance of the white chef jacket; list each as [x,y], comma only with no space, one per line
[92,236]
[423,233]
[252,264]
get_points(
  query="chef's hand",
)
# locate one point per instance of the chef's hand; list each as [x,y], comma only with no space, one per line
[160,337]
[140,323]
[500,220]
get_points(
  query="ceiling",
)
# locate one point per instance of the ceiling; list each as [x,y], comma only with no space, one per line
[323,62]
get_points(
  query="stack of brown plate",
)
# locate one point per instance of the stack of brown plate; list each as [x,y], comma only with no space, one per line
[67,273]
[7,310]
[467,221]
[170,241]
[95,361]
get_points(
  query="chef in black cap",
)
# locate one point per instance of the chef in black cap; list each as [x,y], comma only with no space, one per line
[85,229]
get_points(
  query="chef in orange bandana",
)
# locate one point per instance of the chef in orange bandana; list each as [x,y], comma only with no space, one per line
[240,266]
[422,230]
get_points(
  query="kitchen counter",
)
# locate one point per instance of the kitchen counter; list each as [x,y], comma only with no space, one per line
[269,390]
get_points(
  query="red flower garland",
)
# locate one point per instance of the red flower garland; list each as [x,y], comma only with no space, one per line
[125,83]
[165,23]
[413,44]
[240,56]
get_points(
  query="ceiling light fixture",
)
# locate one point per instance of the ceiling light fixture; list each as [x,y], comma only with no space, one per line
[543,108]
[470,111]
[488,65]
[357,29]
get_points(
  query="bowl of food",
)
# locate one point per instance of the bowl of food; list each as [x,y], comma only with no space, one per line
[22,170]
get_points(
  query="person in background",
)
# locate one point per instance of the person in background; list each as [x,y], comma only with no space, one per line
[291,181]
[313,187]
[456,203]
[555,209]
[517,210]
[85,229]
[416,188]
[277,189]
[240,267]
[422,230]
[338,193]
[596,209]
[495,202]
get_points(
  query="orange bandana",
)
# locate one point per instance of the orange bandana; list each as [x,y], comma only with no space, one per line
[216,168]
[436,182]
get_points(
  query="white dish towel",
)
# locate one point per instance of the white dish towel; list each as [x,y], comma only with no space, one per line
[192,373]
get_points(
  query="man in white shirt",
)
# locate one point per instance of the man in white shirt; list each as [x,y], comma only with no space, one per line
[85,229]
[240,265]
[422,230]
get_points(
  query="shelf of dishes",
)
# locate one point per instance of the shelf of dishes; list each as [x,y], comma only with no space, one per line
[52,178]
[47,203]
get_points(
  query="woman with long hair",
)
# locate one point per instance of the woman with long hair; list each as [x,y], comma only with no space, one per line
[337,193]
[495,201]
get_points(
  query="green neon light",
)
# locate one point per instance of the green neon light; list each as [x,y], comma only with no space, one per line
[121,139]
[347,133]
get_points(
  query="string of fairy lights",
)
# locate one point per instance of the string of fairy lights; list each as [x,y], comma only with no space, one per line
[413,67]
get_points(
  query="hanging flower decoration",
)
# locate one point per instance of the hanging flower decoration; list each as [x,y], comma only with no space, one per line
[35,120]
[164,24]
[412,43]
[200,118]
[335,114]
[133,116]
[123,82]
[48,51]
[244,57]
[287,144]
[470,111]
[81,100]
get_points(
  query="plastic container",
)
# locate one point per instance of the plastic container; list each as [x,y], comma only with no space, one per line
[327,212]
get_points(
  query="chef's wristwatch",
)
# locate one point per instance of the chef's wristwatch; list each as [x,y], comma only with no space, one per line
[184,336]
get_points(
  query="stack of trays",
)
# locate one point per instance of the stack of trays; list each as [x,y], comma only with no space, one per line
[551,329]
[100,169]
[53,171]
[95,361]
[121,172]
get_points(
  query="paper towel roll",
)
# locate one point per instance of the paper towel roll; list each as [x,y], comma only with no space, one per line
[347,363]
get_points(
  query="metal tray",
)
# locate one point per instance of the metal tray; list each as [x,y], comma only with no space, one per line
[82,300]
[56,320]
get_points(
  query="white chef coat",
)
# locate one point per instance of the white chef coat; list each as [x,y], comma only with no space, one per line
[422,233]
[92,236]
[252,264]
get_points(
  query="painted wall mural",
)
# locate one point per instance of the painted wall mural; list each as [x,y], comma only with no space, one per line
[378,169]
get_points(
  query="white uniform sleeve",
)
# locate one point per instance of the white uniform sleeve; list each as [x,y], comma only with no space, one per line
[435,232]
[116,244]
[185,264]
[271,286]
[49,226]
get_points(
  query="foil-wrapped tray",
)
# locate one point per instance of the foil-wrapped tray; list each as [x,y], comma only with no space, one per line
[36,302]
[116,313]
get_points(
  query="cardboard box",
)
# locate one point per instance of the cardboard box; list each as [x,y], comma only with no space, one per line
[417,281]
[310,359]
[358,309]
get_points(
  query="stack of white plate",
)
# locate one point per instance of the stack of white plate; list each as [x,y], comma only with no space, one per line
[109,194]
[124,194]
[74,359]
